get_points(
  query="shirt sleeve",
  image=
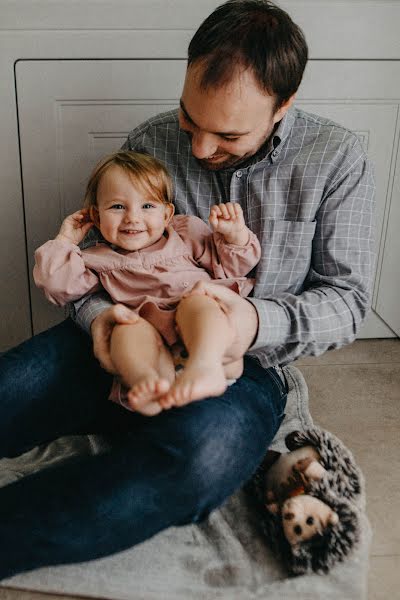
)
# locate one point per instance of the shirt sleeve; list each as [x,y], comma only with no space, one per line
[338,288]
[213,253]
[91,304]
[61,273]
[85,310]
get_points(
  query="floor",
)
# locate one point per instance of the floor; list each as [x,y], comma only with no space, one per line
[355,393]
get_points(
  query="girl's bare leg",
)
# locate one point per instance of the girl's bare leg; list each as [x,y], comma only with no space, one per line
[206,334]
[144,364]
[234,370]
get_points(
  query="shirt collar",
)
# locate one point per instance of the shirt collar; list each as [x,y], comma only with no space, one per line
[280,134]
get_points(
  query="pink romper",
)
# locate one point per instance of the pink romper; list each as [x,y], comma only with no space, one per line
[152,280]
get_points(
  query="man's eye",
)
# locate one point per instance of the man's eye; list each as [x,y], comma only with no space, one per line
[229,139]
[186,118]
[188,124]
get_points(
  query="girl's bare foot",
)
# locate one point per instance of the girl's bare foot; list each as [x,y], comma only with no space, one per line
[145,393]
[196,382]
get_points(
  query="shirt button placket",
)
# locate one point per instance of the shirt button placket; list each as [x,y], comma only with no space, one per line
[238,184]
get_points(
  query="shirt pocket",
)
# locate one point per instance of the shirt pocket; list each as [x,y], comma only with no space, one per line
[286,256]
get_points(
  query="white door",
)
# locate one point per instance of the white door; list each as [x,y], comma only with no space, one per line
[73,112]
[388,297]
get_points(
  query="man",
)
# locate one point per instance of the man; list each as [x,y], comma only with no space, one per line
[306,190]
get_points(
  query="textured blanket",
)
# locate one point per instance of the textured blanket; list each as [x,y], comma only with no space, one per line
[223,558]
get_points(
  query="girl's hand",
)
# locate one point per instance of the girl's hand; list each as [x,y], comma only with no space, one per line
[227,219]
[75,227]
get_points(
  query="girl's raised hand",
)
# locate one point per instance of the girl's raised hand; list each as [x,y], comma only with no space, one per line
[227,219]
[75,227]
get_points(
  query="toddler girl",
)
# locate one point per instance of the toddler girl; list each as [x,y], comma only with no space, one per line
[150,259]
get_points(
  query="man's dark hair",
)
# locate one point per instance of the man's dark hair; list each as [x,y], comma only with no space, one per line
[255,34]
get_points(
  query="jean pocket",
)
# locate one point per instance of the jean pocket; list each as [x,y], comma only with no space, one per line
[281,398]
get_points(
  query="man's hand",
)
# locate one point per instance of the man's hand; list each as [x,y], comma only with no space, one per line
[101,329]
[242,316]
[227,219]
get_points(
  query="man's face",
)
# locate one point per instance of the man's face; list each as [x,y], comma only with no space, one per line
[227,124]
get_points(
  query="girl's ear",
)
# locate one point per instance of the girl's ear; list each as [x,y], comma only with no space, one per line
[169,212]
[94,214]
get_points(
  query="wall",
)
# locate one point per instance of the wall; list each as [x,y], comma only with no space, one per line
[358,30]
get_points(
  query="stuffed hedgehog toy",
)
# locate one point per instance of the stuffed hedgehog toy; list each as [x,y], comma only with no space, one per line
[310,500]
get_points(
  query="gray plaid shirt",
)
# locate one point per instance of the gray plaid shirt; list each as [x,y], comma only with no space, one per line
[308,195]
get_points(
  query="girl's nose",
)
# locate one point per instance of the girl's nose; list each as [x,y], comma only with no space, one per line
[131,216]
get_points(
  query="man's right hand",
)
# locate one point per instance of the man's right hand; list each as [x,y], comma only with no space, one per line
[101,329]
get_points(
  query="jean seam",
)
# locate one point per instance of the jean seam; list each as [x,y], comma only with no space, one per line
[278,381]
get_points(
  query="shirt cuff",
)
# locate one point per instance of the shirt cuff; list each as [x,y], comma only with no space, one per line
[273,324]
[87,311]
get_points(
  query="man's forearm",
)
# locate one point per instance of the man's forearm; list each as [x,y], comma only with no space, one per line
[86,310]
[311,323]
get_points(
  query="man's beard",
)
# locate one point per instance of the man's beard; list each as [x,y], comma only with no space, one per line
[225,164]
[237,161]
[232,160]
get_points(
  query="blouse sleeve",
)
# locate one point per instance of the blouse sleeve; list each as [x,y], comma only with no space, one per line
[220,259]
[61,273]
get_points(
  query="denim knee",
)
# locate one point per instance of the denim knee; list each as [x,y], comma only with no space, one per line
[216,467]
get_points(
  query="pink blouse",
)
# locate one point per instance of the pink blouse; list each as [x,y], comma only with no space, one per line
[151,280]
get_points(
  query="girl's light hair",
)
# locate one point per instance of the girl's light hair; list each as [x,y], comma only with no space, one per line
[147,172]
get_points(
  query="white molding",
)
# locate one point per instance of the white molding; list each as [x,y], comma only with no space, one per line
[359,29]
[375,327]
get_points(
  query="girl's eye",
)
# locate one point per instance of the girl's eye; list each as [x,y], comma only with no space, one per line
[118,206]
[148,205]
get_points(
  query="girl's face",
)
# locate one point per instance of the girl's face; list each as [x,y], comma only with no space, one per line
[126,214]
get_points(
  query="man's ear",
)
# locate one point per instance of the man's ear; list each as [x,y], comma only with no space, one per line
[169,212]
[94,214]
[282,110]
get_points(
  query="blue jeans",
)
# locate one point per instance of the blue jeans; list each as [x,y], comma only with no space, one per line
[171,469]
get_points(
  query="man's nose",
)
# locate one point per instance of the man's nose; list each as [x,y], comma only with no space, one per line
[204,145]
